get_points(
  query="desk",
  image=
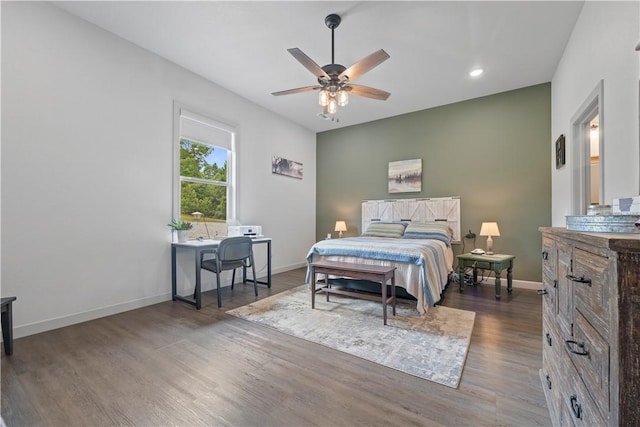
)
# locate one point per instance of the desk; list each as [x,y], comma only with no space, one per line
[496,263]
[197,246]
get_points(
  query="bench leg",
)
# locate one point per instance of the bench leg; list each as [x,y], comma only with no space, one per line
[384,301]
[7,329]
[312,285]
[393,293]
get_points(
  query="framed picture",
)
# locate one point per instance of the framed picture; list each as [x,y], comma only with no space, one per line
[405,176]
[560,152]
[282,166]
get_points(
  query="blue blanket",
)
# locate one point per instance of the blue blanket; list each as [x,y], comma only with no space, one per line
[429,255]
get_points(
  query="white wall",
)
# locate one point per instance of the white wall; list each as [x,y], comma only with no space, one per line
[87,170]
[601,48]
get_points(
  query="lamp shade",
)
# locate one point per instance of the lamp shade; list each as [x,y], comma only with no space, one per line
[341,226]
[489,229]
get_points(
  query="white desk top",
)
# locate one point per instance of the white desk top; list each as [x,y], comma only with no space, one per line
[212,242]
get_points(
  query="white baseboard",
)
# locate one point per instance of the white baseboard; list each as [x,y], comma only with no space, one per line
[520,284]
[72,319]
[525,284]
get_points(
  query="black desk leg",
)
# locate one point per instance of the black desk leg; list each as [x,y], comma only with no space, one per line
[174,287]
[7,329]
[269,264]
[198,281]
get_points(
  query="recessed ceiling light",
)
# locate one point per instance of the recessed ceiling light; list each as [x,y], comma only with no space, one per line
[476,72]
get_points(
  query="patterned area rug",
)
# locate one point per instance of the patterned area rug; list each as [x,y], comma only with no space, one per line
[433,347]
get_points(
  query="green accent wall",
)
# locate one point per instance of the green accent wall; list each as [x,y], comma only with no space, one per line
[494,152]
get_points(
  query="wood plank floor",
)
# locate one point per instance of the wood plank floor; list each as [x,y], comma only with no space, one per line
[168,364]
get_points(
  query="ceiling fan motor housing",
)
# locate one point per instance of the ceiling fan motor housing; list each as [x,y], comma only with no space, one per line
[332,21]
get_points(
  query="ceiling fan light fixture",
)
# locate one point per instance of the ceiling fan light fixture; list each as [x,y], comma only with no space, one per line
[323,98]
[332,108]
[334,79]
[343,97]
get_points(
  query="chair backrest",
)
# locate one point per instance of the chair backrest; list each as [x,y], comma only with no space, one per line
[234,248]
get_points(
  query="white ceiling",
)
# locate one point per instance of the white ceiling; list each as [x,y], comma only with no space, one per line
[242,46]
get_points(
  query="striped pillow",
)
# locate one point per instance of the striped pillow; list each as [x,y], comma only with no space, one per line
[385,229]
[429,230]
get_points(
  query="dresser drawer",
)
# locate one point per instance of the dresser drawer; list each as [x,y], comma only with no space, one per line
[549,298]
[592,282]
[577,408]
[551,386]
[553,343]
[590,355]
[548,257]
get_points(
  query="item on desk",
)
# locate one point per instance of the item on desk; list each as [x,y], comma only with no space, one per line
[478,251]
[252,231]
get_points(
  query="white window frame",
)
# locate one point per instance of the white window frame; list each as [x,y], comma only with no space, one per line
[180,110]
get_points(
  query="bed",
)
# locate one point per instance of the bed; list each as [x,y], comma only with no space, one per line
[419,247]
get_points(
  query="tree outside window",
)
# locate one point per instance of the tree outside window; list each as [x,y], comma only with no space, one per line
[203,188]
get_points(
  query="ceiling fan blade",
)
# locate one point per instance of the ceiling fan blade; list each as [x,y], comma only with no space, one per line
[307,62]
[368,92]
[296,90]
[364,65]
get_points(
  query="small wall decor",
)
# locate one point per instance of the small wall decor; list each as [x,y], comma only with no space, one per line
[282,166]
[405,176]
[560,152]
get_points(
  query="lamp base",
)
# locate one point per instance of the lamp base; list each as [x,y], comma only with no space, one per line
[489,246]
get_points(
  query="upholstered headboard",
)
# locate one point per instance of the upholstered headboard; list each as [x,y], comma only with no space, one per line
[414,210]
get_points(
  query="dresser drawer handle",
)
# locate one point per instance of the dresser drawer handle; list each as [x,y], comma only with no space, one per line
[548,382]
[581,352]
[542,291]
[575,406]
[548,338]
[579,279]
[545,255]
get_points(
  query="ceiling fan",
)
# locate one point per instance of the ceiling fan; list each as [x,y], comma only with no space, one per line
[334,80]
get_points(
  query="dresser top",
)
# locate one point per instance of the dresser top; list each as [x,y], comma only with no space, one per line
[619,242]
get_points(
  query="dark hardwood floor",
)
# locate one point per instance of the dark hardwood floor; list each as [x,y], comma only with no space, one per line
[169,365]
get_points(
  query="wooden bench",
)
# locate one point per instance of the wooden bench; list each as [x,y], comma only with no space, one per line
[373,273]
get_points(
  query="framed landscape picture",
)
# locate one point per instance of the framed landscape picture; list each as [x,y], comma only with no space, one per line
[405,176]
[282,166]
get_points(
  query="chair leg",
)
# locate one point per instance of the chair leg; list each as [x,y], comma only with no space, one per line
[218,289]
[233,278]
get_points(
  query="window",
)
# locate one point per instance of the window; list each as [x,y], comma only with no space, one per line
[204,190]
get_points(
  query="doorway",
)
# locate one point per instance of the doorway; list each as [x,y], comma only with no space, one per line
[587,140]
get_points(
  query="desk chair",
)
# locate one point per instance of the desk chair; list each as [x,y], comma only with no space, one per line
[232,253]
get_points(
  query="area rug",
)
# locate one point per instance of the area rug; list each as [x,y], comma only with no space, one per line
[433,346]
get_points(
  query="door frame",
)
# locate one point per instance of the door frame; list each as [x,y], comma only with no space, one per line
[580,152]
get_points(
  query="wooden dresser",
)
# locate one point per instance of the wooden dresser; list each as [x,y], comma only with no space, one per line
[591,327]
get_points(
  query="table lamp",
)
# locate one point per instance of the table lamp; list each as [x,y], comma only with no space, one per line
[489,229]
[341,226]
